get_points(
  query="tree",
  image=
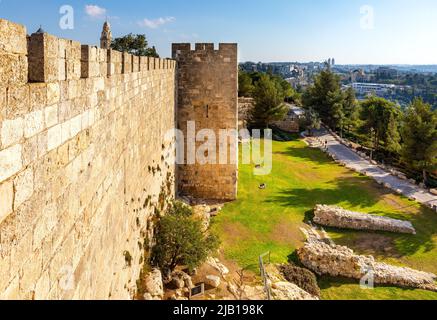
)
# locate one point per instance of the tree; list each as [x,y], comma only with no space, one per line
[180,240]
[269,102]
[134,44]
[151,52]
[419,134]
[326,98]
[245,84]
[350,109]
[311,121]
[380,119]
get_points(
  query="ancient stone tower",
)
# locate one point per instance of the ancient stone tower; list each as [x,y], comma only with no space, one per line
[207,82]
[106,38]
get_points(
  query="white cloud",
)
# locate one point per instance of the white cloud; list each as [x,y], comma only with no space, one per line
[95,11]
[155,23]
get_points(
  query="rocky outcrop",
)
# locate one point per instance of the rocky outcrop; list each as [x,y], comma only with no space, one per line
[154,285]
[213,281]
[333,260]
[180,280]
[217,265]
[332,216]
[290,291]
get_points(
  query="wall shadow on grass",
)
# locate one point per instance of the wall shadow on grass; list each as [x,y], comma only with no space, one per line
[341,190]
[305,153]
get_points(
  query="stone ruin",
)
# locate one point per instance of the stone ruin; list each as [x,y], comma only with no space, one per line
[332,216]
[339,261]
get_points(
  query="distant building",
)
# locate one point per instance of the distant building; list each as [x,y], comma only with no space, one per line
[292,119]
[386,73]
[106,37]
[358,75]
[372,88]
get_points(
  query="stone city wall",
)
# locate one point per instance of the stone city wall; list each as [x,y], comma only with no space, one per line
[83,165]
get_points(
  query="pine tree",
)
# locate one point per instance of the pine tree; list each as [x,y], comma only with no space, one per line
[419,134]
[269,102]
[380,119]
[326,98]
[350,109]
[245,85]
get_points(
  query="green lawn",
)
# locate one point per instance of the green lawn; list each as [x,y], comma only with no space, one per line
[270,219]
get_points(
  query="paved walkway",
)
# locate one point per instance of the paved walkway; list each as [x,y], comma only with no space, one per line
[355,162]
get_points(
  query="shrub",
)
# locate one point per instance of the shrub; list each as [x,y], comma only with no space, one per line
[180,240]
[303,278]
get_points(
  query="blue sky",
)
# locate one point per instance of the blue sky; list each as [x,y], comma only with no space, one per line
[401,31]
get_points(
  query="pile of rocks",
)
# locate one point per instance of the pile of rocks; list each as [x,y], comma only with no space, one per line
[333,216]
[154,286]
[282,289]
[217,265]
[333,260]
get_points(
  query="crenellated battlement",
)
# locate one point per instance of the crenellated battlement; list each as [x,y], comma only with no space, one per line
[185,49]
[41,57]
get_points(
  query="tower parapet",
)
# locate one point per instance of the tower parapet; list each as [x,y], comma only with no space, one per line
[207,82]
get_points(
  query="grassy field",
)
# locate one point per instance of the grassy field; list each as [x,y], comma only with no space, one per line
[270,219]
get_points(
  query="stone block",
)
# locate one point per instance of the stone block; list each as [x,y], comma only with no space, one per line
[12,37]
[53,93]
[74,50]
[90,62]
[73,70]
[126,62]
[43,57]
[10,162]
[12,292]
[21,252]
[6,199]
[62,69]
[11,132]
[51,115]
[30,151]
[30,273]
[42,287]
[54,137]
[33,123]
[37,95]
[23,185]
[13,69]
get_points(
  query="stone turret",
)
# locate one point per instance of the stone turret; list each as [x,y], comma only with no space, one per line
[207,82]
[106,38]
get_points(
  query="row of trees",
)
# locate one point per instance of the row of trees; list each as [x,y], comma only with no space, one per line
[410,135]
[270,92]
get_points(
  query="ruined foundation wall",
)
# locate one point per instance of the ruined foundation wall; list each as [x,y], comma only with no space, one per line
[207,81]
[83,165]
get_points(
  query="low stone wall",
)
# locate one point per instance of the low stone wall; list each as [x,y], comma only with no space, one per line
[332,216]
[333,260]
